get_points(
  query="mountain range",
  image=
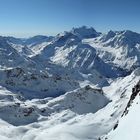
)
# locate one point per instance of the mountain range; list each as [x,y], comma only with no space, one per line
[78,85]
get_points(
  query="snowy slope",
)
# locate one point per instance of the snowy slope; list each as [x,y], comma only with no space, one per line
[61,117]
[129,125]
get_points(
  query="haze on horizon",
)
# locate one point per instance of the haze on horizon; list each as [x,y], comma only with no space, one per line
[24,18]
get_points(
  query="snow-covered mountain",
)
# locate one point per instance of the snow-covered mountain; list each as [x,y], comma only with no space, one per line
[9,57]
[29,46]
[121,48]
[32,41]
[81,79]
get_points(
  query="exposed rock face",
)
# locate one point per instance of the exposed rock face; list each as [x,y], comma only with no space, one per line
[135,92]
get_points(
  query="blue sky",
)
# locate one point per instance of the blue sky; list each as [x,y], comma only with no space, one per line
[25,18]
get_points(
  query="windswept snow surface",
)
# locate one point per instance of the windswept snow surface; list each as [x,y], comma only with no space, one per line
[76,85]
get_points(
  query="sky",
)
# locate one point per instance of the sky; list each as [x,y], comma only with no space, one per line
[24,18]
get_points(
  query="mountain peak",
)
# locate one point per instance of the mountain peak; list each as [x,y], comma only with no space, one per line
[128,33]
[108,36]
[85,32]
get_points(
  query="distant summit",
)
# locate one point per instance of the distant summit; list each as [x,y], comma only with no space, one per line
[85,32]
